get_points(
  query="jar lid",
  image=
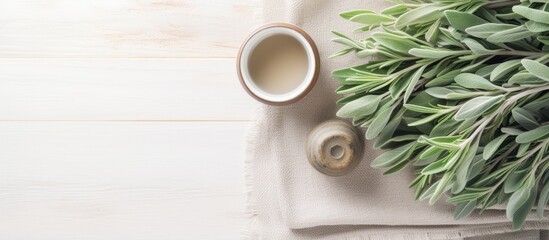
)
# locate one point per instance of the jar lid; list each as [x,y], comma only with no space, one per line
[335,147]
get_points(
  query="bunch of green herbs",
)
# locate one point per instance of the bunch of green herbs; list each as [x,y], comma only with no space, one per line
[459,89]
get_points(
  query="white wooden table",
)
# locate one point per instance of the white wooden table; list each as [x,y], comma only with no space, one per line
[123,119]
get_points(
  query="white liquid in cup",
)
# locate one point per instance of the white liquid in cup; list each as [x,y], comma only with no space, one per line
[278,64]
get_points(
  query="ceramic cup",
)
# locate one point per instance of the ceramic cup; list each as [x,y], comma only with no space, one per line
[252,42]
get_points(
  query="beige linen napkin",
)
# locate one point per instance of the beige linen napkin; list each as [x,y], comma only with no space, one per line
[288,199]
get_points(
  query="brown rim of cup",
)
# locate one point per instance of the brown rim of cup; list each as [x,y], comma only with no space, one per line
[316,64]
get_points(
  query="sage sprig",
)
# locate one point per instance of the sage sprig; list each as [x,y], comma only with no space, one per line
[460,91]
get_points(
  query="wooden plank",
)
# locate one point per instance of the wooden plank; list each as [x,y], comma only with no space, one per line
[125,28]
[90,180]
[122,89]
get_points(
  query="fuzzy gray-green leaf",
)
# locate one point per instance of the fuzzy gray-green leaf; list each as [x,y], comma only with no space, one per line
[424,14]
[379,123]
[464,209]
[525,118]
[478,48]
[537,27]
[395,43]
[515,180]
[511,131]
[510,35]
[431,53]
[532,14]
[487,29]
[360,107]
[474,81]
[371,18]
[493,146]
[503,69]
[539,70]
[412,83]
[421,109]
[533,135]
[394,10]
[389,158]
[477,106]
[519,216]
[348,15]
[463,20]
[543,199]
[463,167]
[516,201]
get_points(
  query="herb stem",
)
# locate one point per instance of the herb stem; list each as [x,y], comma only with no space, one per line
[527,92]
[486,120]
[403,71]
[521,53]
[516,164]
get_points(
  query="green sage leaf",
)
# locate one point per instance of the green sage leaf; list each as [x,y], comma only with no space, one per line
[389,130]
[533,135]
[476,167]
[389,158]
[542,201]
[441,142]
[431,53]
[421,109]
[463,20]
[511,131]
[379,123]
[519,216]
[522,150]
[478,48]
[510,35]
[436,167]
[493,146]
[525,78]
[350,14]
[395,43]
[532,14]
[544,39]
[360,107]
[470,80]
[395,10]
[504,69]
[488,29]
[537,27]
[516,201]
[463,168]
[412,83]
[371,18]
[477,106]
[464,209]
[515,180]
[399,86]
[425,13]
[525,118]
[539,70]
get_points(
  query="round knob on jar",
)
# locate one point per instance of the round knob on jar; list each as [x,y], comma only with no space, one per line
[335,147]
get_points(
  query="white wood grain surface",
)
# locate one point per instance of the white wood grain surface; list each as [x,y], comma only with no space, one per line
[125,28]
[104,180]
[123,119]
[122,89]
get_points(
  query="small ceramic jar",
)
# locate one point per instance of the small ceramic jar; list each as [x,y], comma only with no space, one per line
[335,147]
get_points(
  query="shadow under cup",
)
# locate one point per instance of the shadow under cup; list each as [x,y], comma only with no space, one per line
[278,64]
